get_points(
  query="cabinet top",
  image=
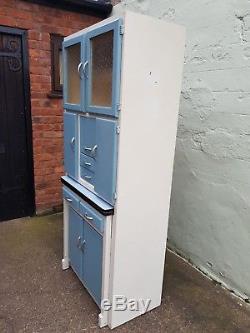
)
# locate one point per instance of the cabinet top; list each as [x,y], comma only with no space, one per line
[120,14]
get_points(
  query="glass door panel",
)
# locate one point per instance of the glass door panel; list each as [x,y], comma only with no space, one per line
[102,69]
[73,61]
[73,82]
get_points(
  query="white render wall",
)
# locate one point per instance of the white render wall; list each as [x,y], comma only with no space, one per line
[210,205]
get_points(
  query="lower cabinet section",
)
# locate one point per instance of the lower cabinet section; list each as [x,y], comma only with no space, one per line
[85,253]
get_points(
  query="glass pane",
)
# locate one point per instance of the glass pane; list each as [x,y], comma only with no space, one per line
[73,60]
[102,68]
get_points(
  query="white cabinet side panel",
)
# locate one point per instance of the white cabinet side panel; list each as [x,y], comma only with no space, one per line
[152,64]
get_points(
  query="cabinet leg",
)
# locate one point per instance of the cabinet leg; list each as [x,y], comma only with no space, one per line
[102,320]
[65,263]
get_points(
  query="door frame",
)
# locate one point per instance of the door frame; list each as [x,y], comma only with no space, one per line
[27,107]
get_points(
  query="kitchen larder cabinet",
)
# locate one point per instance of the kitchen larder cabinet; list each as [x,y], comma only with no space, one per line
[122,81]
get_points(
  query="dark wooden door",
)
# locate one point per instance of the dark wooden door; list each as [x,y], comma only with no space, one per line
[16,166]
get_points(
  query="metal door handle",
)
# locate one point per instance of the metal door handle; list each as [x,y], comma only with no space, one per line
[90,218]
[68,199]
[94,149]
[79,70]
[87,163]
[84,69]
[88,177]
[72,141]
[82,247]
[78,243]
[88,148]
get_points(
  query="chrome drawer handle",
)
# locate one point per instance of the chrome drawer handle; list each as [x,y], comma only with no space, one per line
[90,218]
[88,177]
[92,150]
[68,199]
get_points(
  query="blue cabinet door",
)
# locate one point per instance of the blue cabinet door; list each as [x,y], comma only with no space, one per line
[106,159]
[102,68]
[73,77]
[76,242]
[92,258]
[70,144]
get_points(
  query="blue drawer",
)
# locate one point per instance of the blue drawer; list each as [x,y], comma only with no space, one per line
[71,198]
[87,175]
[87,162]
[91,216]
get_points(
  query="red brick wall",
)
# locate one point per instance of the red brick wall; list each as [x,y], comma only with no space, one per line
[47,121]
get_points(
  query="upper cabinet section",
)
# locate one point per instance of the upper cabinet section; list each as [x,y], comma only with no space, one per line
[92,63]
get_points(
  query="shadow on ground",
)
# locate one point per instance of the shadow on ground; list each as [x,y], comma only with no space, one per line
[37,296]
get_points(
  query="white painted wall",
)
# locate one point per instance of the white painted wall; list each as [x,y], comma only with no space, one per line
[210,205]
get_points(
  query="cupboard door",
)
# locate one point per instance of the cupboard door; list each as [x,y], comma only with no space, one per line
[73,61]
[92,258]
[102,68]
[106,159]
[70,145]
[76,242]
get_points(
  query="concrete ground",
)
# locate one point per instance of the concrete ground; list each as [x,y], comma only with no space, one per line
[37,296]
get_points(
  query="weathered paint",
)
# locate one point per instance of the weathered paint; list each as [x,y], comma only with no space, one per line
[210,206]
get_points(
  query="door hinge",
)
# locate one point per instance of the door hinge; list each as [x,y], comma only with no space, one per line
[118,129]
[122,29]
[119,107]
[115,196]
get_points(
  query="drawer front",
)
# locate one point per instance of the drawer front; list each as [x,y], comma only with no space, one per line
[91,216]
[87,175]
[71,198]
[87,162]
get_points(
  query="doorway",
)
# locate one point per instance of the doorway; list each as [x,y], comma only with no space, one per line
[16,160]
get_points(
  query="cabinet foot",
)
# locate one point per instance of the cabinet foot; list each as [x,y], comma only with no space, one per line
[102,320]
[65,263]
